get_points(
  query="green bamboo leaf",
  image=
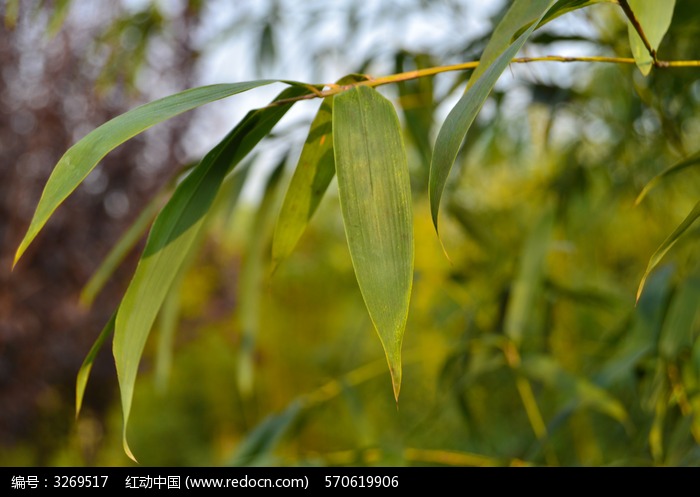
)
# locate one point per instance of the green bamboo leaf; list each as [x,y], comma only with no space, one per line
[172,234]
[655,18]
[528,282]
[460,118]
[311,178]
[667,244]
[86,367]
[82,157]
[559,9]
[120,250]
[375,199]
[677,167]
[224,202]
[313,174]
[521,13]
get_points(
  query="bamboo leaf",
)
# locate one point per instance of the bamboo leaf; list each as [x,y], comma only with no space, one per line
[82,157]
[86,367]
[375,199]
[654,17]
[173,232]
[677,167]
[667,244]
[460,118]
[311,178]
[313,174]
[559,9]
[521,13]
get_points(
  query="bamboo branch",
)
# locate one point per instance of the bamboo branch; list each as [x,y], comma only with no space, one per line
[334,89]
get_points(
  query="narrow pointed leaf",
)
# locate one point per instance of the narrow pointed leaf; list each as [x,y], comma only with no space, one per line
[679,166]
[559,9]
[667,244]
[520,14]
[460,118]
[311,178]
[375,200]
[82,157]
[173,232]
[654,17]
[86,367]
[313,174]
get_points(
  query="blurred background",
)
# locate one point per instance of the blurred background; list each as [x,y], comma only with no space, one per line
[545,242]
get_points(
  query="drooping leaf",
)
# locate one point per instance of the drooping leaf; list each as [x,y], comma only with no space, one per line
[667,244]
[559,9]
[224,202]
[82,157]
[521,13]
[655,18]
[529,279]
[677,167]
[120,250]
[172,234]
[86,367]
[375,199]
[313,174]
[311,178]
[460,118]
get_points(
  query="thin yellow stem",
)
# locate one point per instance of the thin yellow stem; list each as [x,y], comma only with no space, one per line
[333,89]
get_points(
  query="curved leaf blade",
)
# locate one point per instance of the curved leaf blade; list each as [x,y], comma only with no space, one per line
[82,157]
[84,371]
[655,18]
[559,9]
[521,13]
[667,244]
[461,117]
[313,174]
[174,231]
[375,200]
